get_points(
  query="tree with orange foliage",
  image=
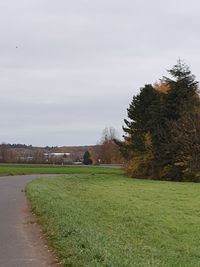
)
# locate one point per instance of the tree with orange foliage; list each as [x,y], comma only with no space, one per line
[161,87]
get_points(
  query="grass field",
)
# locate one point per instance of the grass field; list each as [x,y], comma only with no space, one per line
[18,169]
[113,221]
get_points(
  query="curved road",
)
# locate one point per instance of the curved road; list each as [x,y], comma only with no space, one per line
[21,242]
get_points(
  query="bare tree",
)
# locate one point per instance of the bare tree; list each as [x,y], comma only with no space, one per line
[38,156]
[109,151]
[7,154]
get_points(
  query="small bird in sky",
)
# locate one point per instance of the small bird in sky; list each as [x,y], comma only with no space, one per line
[16,47]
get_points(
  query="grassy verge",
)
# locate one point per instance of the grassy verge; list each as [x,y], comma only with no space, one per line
[109,220]
[17,169]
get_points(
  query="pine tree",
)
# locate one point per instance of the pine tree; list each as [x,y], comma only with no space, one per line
[142,113]
[182,115]
[144,118]
[183,90]
[87,158]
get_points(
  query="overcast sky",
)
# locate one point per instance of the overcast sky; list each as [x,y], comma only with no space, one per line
[68,69]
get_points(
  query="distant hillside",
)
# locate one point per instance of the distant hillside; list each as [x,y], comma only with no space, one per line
[28,153]
[20,153]
[64,149]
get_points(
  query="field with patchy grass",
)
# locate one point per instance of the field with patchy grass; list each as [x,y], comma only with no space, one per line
[113,221]
[18,169]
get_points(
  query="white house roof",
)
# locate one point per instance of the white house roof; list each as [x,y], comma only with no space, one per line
[57,154]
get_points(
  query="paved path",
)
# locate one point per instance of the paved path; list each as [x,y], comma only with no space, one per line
[21,244]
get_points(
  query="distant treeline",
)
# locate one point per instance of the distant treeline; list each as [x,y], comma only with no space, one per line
[19,146]
[28,146]
[105,152]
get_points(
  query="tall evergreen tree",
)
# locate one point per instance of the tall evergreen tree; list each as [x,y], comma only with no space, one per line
[142,113]
[182,115]
[183,90]
[182,99]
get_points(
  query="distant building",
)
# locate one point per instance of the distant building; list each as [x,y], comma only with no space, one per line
[57,157]
[26,159]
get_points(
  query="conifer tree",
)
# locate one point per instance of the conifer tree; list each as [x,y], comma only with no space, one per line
[87,158]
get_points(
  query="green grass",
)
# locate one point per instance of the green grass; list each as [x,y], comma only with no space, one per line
[113,221]
[18,169]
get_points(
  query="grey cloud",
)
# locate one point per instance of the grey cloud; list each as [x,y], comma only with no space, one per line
[78,63]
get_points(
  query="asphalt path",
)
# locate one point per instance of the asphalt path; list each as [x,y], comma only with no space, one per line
[21,241]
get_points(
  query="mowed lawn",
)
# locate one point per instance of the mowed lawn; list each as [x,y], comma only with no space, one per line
[20,169]
[110,220]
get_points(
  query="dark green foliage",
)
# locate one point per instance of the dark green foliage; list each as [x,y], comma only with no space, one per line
[159,117]
[87,158]
[141,115]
